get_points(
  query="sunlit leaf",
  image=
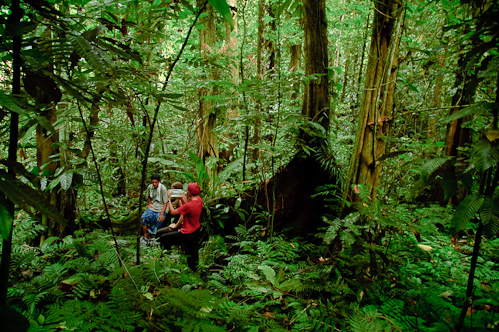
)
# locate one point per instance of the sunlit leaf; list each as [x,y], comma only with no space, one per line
[223,8]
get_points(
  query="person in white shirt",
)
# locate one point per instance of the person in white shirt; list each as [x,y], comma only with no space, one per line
[156,211]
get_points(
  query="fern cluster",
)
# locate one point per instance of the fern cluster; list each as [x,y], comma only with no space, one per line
[373,273]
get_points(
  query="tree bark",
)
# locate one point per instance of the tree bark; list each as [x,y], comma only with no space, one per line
[316,104]
[377,104]
[208,144]
[361,65]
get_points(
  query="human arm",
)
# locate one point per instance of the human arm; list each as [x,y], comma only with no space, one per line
[182,200]
[173,211]
[179,222]
[162,215]
[148,193]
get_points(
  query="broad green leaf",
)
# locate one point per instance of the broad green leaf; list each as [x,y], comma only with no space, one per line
[66,180]
[201,171]
[6,219]
[180,108]
[485,155]
[48,242]
[45,123]
[466,211]
[223,8]
[188,176]
[89,174]
[229,170]
[317,126]
[268,272]
[431,166]
[70,88]
[237,204]
[7,102]
[28,198]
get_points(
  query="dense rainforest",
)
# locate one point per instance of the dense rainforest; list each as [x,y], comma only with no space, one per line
[347,153]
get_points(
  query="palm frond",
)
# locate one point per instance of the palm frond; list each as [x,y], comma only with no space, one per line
[473,109]
[88,51]
[485,155]
[466,210]
[431,166]
[490,215]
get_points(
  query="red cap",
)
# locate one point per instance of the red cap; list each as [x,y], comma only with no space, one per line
[193,189]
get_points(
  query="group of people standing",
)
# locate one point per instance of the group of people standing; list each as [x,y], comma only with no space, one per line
[186,209]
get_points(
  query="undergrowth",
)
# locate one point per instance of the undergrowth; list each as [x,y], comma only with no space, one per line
[384,268]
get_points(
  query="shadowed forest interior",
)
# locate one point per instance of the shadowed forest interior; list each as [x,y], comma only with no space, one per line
[347,152]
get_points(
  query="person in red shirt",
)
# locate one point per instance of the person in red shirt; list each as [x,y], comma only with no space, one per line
[188,234]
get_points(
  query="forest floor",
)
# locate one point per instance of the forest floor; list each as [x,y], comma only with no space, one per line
[401,273]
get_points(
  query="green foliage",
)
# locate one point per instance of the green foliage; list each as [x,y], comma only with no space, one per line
[388,282]
[207,176]
[223,8]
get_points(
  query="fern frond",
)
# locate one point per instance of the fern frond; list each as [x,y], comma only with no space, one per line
[466,210]
[328,163]
[365,320]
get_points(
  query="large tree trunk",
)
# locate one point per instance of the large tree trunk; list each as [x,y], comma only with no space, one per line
[316,104]
[287,196]
[208,144]
[377,105]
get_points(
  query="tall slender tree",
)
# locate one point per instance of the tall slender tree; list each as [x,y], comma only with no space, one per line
[208,142]
[376,113]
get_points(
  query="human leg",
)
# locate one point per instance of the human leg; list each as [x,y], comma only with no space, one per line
[191,245]
[167,240]
[150,222]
